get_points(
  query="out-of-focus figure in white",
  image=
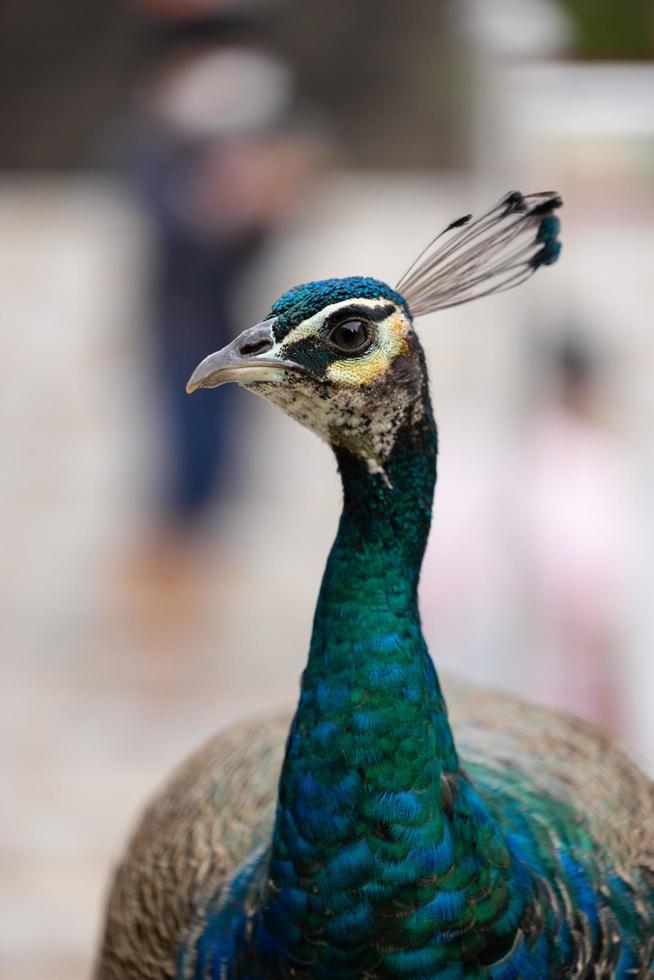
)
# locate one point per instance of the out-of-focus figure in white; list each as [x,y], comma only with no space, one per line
[573,529]
[527,575]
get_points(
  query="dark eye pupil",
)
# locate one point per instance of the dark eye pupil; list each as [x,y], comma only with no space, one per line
[350,336]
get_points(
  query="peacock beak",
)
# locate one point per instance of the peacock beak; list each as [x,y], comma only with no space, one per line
[243,361]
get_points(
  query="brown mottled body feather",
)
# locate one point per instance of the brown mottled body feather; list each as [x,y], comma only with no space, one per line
[219,806]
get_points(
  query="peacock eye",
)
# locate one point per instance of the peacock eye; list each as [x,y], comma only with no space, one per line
[350,337]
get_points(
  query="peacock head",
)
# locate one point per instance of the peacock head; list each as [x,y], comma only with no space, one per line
[341,355]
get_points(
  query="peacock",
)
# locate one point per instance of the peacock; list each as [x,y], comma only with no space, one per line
[381,836]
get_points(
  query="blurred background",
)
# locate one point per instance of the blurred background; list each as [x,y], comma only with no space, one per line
[167,169]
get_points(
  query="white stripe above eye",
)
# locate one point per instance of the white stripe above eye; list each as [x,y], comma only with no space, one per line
[310,327]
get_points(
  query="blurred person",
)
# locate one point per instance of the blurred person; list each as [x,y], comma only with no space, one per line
[465,584]
[217,167]
[526,578]
[574,533]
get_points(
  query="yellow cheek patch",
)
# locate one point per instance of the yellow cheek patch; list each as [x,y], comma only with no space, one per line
[362,370]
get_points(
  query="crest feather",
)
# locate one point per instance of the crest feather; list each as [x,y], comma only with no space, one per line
[497,251]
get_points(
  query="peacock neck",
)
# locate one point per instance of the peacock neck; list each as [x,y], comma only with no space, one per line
[367,650]
[376,557]
[368,662]
[380,842]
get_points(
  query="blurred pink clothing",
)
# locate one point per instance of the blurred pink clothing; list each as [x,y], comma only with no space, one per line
[527,572]
[574,533]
